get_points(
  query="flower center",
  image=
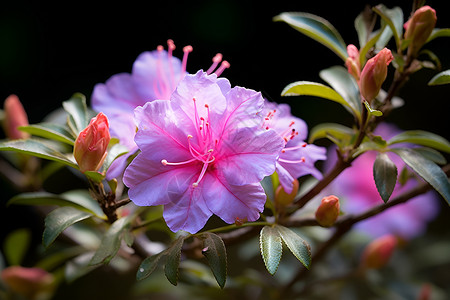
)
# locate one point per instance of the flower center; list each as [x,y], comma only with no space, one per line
[206,144]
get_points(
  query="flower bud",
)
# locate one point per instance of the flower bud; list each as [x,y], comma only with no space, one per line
[374,74]
[377,254]
[90,147]
[15,116]
[419,27]
[328,211]
[31,283]
[282,198]
[352,62]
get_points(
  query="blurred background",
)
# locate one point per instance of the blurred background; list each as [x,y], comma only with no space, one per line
[49,52]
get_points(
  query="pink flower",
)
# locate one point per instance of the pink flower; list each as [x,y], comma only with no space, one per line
[352,63]
[419,27]
[357,191]
[297,158]
[32,283]
[377,254]
[374,73]
[203,153]
[155,75]
[15,116]
[90,146]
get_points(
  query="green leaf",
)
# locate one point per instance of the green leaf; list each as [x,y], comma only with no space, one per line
[432,155]
[271,248]
[58,220]
[393,18]
[149,265]
[374,38]
[426,169]
[111,242]
[173,261]
[308,88]
[361,29]
[116,151]
[38,148]
[338,132]
[94,176]
[385,175]
[371,111]
[440,78]
[50,131]
[298,246]
[344,83]
[316,28]
[439,32]
[423,138]
[79,199]
[78,116]
[215,252]
[15,246]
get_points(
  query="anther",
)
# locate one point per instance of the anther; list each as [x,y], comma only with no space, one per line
[216,60]
[224,65]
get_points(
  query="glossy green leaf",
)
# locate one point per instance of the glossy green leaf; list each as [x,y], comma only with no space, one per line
[371,111]
[385,176]
[15,246]
[79,199]
[423,138]
[431,154]
[149,265]
[373,39]
[440,78]
[439,32]
[393,18]
[308,88]
[58,220]
[376,143]
[38,148]
[361,30]
[215,252]
[271,248]
[316,28]
[298,246]
[344,83]
[110,242]
[173,261]
[338,132]
[50,131]
[116,151]
[78,117]
[426,169]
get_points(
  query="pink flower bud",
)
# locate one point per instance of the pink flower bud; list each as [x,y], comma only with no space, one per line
[419,27]
[377,254]
[352,62]
[328,211]
[282,198]
[31,283]
[90,146]
[15,116]
[374,74]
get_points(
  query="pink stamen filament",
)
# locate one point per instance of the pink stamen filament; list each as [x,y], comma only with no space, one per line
[205,166]
[171,47]
[216,60]
[224,65]
[294,148]
[301,160]
[163,85]
[186,51]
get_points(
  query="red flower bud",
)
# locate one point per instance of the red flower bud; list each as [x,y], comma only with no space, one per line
[282,198]
[374,74]
[328,211]
[15,116]
[90,146]
[419,27]
[377,254]
[31,283]
[352,62]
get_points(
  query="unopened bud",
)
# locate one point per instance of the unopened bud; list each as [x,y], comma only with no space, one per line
[374,74]
[30,283]
[425,292]
[15,116]
[282,198]
[328,211]
[377,254]
[90,146]
[419,27]
[352,63]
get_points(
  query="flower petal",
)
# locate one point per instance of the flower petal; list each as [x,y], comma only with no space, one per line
[285,178]
[230,202]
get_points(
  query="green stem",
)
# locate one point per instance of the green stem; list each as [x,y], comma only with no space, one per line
[234,226]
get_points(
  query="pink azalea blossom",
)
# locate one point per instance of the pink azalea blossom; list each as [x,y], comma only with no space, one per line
[356,188]
[297,158]
[155,75]
[203,153]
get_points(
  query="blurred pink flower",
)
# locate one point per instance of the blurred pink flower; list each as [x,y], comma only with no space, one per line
[32,283]
[15,116]
[356,188]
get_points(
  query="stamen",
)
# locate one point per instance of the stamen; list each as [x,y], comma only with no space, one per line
[205,166]
[216,60]
[224,65]
[171,47]
[294,148]
[186,51]
[162,79]
[166,163]
[301,160]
